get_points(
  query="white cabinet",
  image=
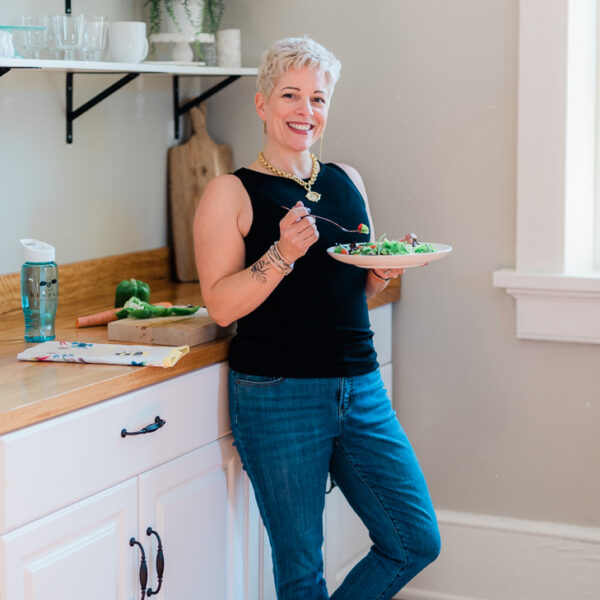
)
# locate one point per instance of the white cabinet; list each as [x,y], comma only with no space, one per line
[183,480]
[196,503]
[54,463]
[78,552]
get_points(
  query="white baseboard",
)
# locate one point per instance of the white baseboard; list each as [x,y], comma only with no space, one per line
[428,595]
[494,558]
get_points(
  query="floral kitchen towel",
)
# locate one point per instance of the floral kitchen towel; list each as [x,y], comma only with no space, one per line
[110,354]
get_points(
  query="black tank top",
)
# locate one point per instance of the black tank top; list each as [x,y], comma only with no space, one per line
[316,321]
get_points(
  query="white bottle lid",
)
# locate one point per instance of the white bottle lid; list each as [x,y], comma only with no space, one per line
[38,252]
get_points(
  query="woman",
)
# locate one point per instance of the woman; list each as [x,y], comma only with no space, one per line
[305,392]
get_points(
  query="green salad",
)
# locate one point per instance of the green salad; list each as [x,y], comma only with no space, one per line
[384,247]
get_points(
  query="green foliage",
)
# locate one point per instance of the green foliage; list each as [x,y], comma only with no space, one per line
[212,13]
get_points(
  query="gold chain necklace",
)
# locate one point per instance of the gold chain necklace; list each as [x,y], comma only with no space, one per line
[310,194]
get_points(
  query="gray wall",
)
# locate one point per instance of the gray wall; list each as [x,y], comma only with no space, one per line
[426,110]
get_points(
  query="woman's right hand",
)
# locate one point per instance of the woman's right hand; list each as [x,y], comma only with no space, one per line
[297,233]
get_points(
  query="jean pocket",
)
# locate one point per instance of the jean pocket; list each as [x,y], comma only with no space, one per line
[260,381]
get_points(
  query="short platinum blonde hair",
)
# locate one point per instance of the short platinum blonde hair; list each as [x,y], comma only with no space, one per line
[296,53]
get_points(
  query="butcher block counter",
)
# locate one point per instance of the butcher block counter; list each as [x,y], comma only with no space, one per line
[32,391]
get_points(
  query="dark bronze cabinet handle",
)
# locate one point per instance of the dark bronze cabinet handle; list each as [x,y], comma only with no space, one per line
[158,423]
[160,562]
[143,576]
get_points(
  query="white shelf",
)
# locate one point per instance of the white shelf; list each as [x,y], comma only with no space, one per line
[129,71]
[87,66]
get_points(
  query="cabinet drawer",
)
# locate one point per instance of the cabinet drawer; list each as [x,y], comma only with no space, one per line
[52,464]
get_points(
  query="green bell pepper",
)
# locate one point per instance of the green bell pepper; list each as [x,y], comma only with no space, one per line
[131,287]
[134,307]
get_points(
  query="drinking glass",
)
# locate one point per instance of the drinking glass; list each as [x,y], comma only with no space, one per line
[93,40]
[32,41]
[68,33]
[52,51]
[20,42]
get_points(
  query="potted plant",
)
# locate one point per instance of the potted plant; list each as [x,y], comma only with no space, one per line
[190,17]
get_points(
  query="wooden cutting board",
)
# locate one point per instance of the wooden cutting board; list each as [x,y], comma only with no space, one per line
[191,166]
[190,330]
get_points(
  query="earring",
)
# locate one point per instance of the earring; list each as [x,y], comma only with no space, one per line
[321,148]
[264,134]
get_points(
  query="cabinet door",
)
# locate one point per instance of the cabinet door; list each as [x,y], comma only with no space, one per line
[81,551]
[346,539]
[259,562]
[196,505]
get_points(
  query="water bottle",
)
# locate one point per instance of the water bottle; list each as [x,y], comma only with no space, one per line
[39,290]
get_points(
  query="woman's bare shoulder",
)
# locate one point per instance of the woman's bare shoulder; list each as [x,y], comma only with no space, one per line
[225,202]
[224,193]
[225,185]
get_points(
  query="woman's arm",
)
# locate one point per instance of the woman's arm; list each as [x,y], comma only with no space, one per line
[378,278]
[223,217]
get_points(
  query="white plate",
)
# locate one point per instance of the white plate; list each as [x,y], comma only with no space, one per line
[396,261]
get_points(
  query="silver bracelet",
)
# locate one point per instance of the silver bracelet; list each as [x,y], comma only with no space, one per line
[275,259]
[276,248]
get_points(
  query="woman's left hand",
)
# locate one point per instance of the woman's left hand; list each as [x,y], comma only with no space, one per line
[388,273]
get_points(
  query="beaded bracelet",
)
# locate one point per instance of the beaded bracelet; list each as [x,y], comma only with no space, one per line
[378,276]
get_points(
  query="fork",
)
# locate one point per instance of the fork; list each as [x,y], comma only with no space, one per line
[358,230]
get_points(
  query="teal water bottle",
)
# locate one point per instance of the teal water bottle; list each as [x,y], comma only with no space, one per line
[39,290]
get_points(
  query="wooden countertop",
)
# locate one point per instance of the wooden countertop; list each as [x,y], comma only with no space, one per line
[32,391]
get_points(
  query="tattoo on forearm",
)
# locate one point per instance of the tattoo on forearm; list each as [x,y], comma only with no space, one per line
[259,270]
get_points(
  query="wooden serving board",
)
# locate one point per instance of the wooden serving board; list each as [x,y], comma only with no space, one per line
[191,166]
[189,330]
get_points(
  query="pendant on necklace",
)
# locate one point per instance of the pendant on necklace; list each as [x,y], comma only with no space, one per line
[313,196]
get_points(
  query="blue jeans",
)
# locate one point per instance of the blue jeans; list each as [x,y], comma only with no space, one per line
[290,433]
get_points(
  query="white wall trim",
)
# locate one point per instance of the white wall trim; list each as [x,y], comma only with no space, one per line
[548,529]
[554,307]
[488,557]
[542,134]
[560,282]
[555,169]
[409,594]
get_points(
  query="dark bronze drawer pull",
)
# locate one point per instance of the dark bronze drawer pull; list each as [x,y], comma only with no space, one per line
[143,576]
[158,423]
[160,562]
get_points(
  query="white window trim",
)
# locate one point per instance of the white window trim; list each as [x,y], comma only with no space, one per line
[555,284]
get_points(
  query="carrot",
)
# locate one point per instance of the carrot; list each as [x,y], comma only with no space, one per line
[104,317]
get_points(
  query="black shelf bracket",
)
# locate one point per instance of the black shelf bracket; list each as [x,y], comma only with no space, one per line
[68,7]
[73,114]
[4,70]
[181,110]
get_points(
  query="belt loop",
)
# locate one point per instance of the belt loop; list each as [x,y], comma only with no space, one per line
[345,390]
